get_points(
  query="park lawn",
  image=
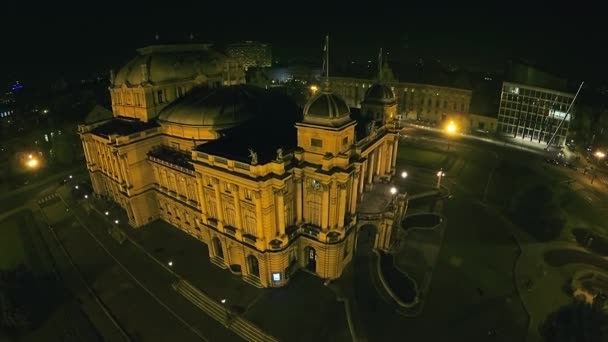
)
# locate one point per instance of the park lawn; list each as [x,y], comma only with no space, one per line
[416,156]
[12,252]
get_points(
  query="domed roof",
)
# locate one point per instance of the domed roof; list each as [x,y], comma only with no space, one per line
[380,93]
[326,105]
[221,107]
[165,63]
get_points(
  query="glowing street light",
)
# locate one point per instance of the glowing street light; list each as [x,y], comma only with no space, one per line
[393,190]
[451,127]
[86,196]
[32,163]
[223,301]
[116,221]
[440,175]
[170,263]
[76,187]
[403,175]
[451,130]
[314,89]
[600,155]
[107,213]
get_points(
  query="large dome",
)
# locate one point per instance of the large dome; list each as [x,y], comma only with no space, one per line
[165,63]
[219,108]
[379,93]
[326,105]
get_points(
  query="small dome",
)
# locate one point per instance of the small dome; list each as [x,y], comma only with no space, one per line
[326,105]
[221,107]
[166,63]
[380,93]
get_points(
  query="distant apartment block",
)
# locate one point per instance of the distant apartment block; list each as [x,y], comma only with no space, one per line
[251,54]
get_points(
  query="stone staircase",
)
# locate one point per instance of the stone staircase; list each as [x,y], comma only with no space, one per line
[245,329]
[219,262]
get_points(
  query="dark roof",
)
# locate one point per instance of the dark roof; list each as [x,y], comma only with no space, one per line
[326,105]
[361,130]
[429,73]
[220,107]
[380,93]
[123,126]
[172,156]
[521,72]
[97,114]
[273,127]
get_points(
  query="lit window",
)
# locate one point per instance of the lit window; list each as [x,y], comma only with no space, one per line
[276,276]
[316,142]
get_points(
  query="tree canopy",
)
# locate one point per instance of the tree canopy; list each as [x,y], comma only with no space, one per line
[578,321]
[536,210]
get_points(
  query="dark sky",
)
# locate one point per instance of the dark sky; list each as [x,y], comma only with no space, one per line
[49,41]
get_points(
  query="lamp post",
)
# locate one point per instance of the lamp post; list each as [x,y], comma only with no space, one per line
[451,130]
[227,310]
[440,175]
[599,155]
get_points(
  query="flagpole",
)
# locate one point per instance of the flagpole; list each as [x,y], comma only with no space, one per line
[327,60]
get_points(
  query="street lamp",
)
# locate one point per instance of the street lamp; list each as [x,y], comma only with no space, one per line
[86,196]
[227,310]
[440,175]
[403,175]
[451,130]
[107,213]
[116,221]
[599,155]
[393,190]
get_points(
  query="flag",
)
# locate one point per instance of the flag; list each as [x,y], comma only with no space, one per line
[325,54]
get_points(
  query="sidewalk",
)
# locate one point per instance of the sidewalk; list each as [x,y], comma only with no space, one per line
[190,261]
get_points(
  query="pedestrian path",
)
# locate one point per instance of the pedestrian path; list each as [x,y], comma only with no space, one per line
[48,199]
[221,313]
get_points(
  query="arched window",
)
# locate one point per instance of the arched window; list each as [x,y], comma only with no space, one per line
[315,210]
[253,266]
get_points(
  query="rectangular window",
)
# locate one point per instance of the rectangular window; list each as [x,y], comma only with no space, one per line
[160,96]
[316,142]
[344,141]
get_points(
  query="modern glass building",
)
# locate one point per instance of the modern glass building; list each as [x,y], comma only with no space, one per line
[533,113]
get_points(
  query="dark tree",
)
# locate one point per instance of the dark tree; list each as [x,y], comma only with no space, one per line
[536,210]
[578,322]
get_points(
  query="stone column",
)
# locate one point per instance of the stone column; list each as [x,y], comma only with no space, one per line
[389,158]
[201,197]
[259,220]
[218,199]
[354,192]
[370,167]
[237,206]
[395,147]
[280,210]
[379,160]
[299,200]
[325,207]
[342,204]
[362,177]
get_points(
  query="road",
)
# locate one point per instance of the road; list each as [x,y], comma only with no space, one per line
[135,289]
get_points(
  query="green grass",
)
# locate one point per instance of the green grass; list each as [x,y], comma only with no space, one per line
[410,155]
[12,251]
[21,243]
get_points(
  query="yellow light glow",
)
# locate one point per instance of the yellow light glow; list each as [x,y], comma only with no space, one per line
[32,163]
[314,88]
[451,127]
[600,154]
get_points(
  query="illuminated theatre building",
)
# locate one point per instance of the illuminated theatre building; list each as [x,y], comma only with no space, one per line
[268,188]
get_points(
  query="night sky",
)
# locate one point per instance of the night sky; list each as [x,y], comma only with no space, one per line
[72,40]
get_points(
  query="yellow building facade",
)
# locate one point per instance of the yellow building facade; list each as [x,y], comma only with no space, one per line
[270,188]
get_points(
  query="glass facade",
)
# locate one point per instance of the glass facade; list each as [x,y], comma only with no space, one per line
[533,113]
